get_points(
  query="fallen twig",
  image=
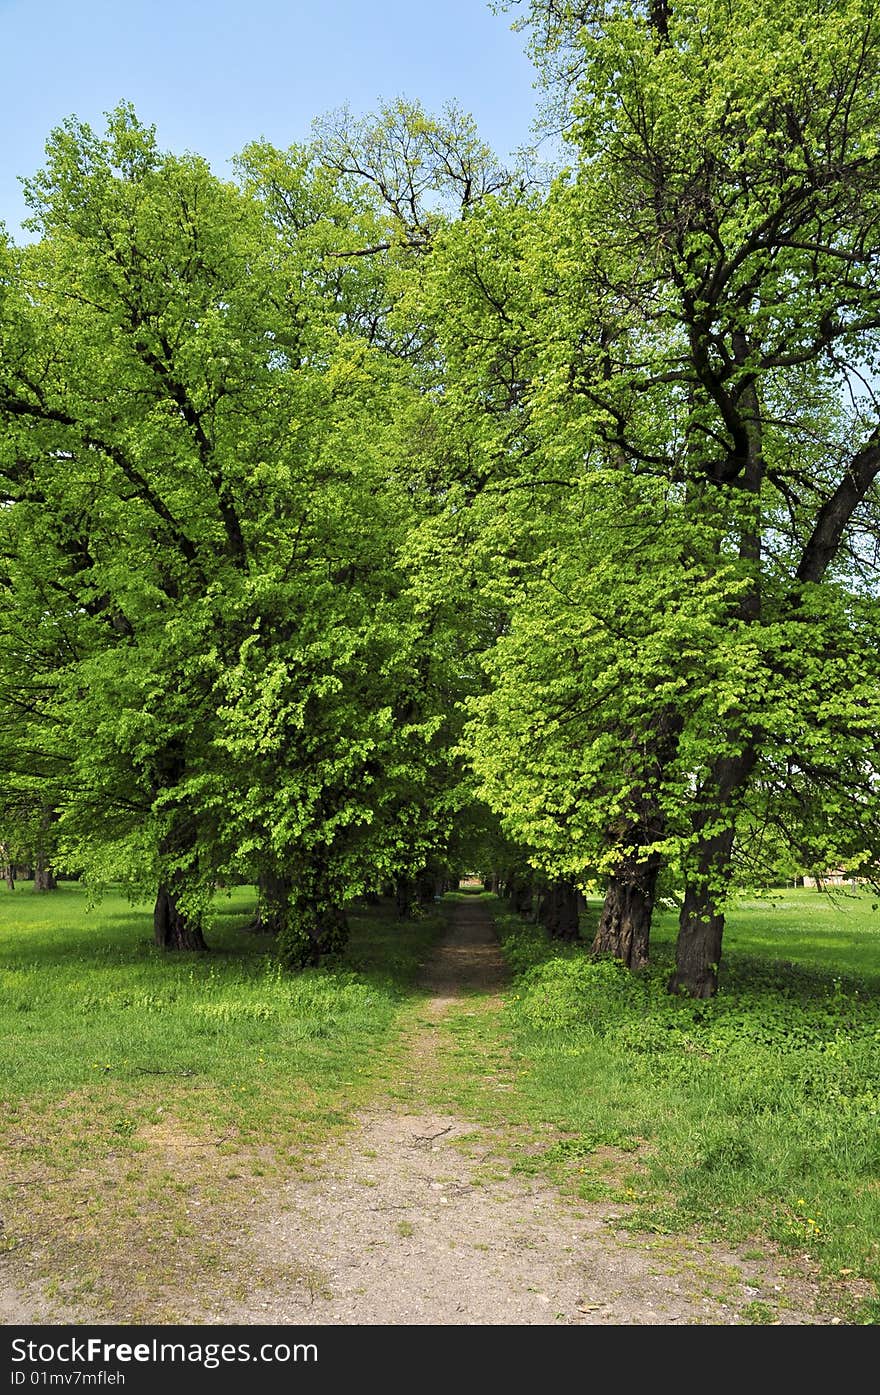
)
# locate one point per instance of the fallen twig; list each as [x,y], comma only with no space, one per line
[429,1137]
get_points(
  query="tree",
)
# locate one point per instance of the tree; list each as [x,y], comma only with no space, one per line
[212,431]
[717,307]
[204,519]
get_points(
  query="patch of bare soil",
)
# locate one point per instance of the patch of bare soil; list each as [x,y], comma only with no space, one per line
[19,1308]
[406,1225]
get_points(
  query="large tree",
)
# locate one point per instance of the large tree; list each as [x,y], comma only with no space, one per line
[713,314]
[689,334]
[202,451]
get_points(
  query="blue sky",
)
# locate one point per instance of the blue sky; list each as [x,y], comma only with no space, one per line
[213,74]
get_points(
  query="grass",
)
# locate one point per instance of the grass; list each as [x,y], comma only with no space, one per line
[756,1114]
[838,933]
[143,1093]
[149,1100]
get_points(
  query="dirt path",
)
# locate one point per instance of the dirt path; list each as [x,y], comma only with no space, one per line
[419,1219]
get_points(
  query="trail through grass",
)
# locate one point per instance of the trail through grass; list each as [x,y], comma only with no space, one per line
[150,1101]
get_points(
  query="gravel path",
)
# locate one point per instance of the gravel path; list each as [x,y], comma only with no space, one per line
[407,1225]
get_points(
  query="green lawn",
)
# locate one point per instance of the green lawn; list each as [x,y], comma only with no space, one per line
[754,1115]
[145,1095]
[85,992]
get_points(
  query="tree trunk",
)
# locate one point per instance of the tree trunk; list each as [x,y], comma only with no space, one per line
[701,924]
[6,865]
[171,928]
[625,924]
[560,911]
[331,932]
[426,888]
[403,897]
[273,898]
[698,950]
[44,878]
[521,892]
[314,928]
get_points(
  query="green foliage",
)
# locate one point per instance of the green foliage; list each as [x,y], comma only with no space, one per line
[214,665]
[574,993]
[379,487]
[667,466]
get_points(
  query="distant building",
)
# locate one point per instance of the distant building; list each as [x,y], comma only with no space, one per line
[838,876]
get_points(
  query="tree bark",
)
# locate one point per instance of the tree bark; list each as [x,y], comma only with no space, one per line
[331,932]
[171,928]
[44,878]
[426,888]
[273,898]
[404,892]
[701,924]
[8,869]
[521,891]
[313,929]
[560,911]
[625,924]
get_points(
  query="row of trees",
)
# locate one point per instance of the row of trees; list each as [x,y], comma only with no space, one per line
[214,665]
[687,331]
[383,510]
